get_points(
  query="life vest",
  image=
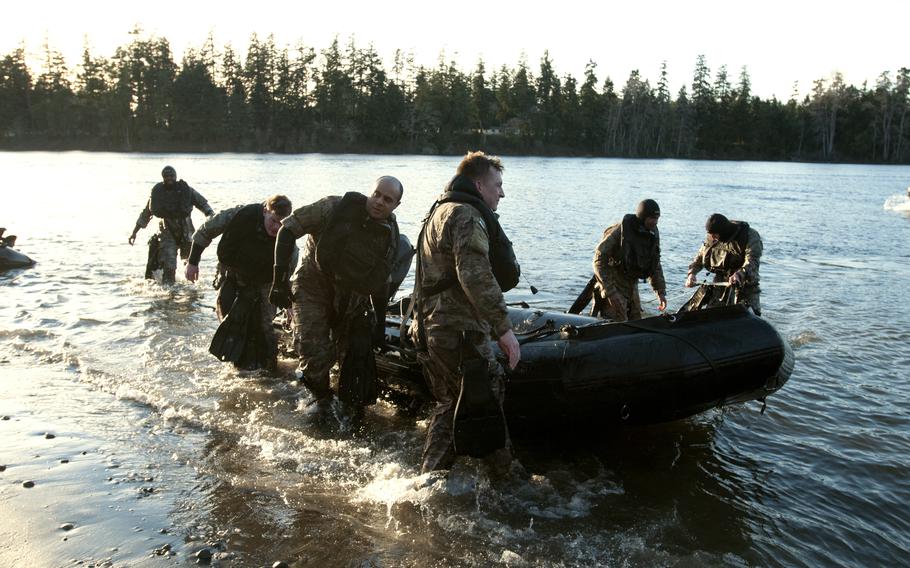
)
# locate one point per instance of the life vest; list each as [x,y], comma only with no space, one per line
[246,247]
[356,249]
[639,248]
[171,203]
[726,257]
[505,266]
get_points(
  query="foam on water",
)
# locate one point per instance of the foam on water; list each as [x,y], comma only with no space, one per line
[900,203]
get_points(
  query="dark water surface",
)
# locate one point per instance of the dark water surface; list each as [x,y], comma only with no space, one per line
[822,478]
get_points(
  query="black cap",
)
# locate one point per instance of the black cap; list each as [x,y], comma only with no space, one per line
[717,224]
[168,170]
[647,208]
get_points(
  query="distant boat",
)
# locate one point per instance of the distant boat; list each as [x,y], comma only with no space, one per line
[9,257]
[577,369]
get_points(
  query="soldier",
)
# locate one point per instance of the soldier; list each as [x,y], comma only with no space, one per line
[464,264]
[340,291]
[172,201]
[629,251]
[732,251]
[245,255]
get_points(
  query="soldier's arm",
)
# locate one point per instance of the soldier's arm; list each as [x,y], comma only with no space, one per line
[142,222]
[310,218]
[208,230]
[602,254]
[200,203]
[752,256]
[475,275]
[144,217]
[658,283]
[698,262]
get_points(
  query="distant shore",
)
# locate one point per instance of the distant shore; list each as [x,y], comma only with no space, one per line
[489,148]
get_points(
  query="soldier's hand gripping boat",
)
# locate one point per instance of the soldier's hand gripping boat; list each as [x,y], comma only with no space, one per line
[578,369]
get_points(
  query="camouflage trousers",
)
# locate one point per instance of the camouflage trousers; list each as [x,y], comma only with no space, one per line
[265,353]
[167,254]
[750,295]
[628,289]
[442,368]
[313,340]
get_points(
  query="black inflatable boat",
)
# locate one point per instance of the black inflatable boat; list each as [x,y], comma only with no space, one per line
[579,369]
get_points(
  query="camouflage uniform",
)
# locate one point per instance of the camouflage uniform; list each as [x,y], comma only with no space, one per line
[173,235]
[320,309]
[233,281]
[733,257]
[456,244]
[611,277]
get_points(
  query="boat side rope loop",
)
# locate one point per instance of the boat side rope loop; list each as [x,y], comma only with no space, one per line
[684,340]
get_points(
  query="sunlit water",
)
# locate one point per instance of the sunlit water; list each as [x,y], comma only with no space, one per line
[821,478]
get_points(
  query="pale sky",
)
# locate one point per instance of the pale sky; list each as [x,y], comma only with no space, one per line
[780,41]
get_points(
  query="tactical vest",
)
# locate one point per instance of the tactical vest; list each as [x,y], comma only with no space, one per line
[246,247]
[726,257]
[354,248]
[639,248]
[505,266]
[172,203]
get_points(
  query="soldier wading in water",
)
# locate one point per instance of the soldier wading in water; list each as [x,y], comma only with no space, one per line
[464,264]
[732,252]
[627,252]
[340,291]
[246,336]
[172,201]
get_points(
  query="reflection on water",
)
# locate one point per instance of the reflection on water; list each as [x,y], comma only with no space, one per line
[818,479]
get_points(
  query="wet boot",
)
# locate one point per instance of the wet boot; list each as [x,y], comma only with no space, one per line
[319,412]
[500,463]
[271,366]
[351,416]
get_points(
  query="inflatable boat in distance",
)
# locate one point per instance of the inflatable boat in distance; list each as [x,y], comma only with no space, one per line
[9,257]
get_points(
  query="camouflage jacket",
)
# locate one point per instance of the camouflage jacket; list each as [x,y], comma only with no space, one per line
[726,258]
[214,226]
[182,226]
[607,270]
[217,224]
[456,244]
[311,220]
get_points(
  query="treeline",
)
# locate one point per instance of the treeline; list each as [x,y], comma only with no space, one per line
[344,99]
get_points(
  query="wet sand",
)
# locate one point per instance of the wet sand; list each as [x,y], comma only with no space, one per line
[70,498]
[108,485]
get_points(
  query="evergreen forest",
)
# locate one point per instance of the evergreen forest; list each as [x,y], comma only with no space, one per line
[343,98]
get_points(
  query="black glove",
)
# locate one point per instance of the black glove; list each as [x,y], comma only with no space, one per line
[280,294]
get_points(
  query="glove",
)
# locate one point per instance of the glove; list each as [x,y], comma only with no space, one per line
[280,293]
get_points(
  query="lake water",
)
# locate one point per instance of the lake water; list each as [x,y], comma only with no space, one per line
[118,368]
